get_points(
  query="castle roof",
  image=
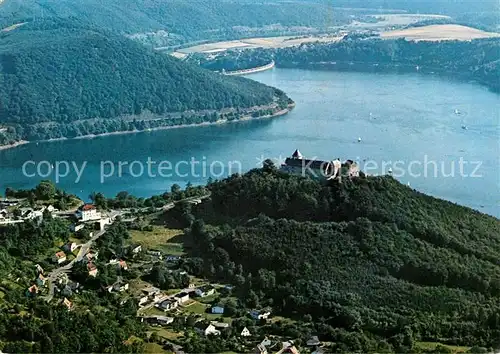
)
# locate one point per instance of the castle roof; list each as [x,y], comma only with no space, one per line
[297,154]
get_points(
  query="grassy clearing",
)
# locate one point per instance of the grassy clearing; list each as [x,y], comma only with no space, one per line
[281,319]
[160,238]
[208,299]
[153,311]
[166,333]
[433,345]
[199,309]
[196,307]
[154,348]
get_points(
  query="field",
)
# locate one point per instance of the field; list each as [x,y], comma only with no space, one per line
[433,345]
[439,32]
[161,238]
[391,20]
[165,333]
[386,22]
[154,348]
[269,42]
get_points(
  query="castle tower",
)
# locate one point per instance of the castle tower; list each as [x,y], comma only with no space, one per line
[297,155]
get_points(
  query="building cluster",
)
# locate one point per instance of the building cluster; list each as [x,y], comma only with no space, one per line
[10,213]
[319,169]
[61,283]
[87,215]
[152,296]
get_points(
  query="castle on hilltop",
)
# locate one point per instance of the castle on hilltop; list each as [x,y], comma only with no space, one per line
[318,169]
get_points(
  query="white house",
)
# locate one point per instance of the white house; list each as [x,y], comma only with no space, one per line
[88,212]
[182,297]
[206,290]
[33,214]
[245,332]
[77,227]
[168,305]
[70,247]
[259,315]
[143,300]
[137,249]
[210,331]
[217,310]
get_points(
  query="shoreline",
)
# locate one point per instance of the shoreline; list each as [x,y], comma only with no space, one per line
[16,144]
[180,126]
[258,69]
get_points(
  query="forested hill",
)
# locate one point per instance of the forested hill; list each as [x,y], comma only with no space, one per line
[368,264]
[56,71]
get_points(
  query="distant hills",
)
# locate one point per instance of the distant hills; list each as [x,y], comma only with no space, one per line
[191,19]
[57,72]
[367,264]
[201,19]
[477,60]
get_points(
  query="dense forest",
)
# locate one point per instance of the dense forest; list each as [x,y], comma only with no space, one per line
[373,264]
[366,264]
[477,60]
[55,73]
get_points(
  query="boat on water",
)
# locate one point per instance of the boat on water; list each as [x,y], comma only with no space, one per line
[390,170]
[359,140]
[464,127]
[457,111]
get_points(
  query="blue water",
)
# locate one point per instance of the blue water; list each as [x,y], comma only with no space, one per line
[401,118]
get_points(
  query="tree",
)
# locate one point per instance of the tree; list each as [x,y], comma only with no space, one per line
[175,188]
[45,190]
[268,165]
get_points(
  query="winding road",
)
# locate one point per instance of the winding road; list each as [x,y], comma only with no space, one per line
[52,276]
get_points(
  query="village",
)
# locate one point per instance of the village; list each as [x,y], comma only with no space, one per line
[135,277]
[205,307]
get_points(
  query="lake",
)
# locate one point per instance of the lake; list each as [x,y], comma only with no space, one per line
[412,124]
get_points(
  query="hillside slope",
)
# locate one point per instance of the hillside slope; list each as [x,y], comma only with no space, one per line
[56,71]
[376,265]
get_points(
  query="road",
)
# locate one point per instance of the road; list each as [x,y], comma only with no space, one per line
[52,276]
[166,207]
